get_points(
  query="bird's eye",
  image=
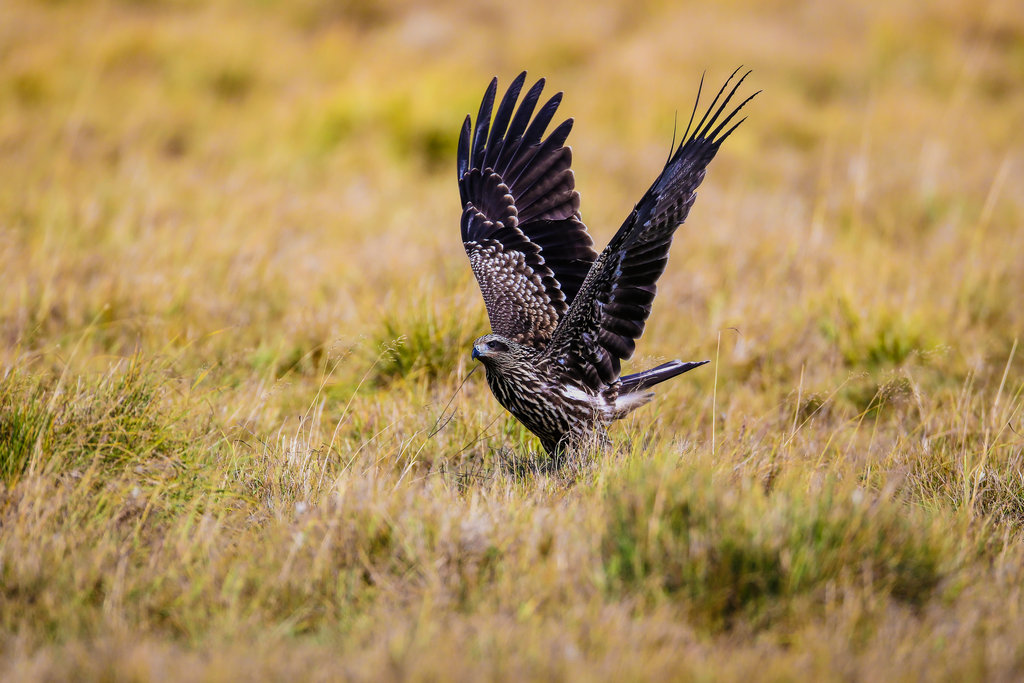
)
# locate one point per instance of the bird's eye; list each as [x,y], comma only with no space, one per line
[496,345]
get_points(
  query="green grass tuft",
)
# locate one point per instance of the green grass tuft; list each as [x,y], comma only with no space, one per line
[425,343]
[735,552]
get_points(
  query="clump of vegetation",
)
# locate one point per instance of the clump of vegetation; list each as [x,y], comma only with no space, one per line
[24,423]
[888,339]
[423,342]
[107,421]
[732,551]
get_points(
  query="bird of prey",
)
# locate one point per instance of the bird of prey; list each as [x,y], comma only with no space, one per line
[563,316]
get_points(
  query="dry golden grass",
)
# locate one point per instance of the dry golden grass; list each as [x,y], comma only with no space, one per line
[235,313]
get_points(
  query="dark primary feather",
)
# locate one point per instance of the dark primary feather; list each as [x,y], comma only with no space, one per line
[609,312]
[521,225]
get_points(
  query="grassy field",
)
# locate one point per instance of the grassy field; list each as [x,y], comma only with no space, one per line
[235,315]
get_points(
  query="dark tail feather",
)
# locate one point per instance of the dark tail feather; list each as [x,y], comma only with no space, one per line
[648,378]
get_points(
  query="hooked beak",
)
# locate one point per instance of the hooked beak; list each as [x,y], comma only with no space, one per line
[476,354]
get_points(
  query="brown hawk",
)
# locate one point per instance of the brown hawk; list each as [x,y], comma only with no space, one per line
[562,316]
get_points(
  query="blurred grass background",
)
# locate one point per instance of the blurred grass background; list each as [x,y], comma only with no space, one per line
[235,308]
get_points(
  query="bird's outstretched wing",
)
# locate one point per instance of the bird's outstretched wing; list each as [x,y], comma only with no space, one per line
[521,224]
[609,313]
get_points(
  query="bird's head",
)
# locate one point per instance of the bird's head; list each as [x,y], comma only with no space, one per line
[495,351]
